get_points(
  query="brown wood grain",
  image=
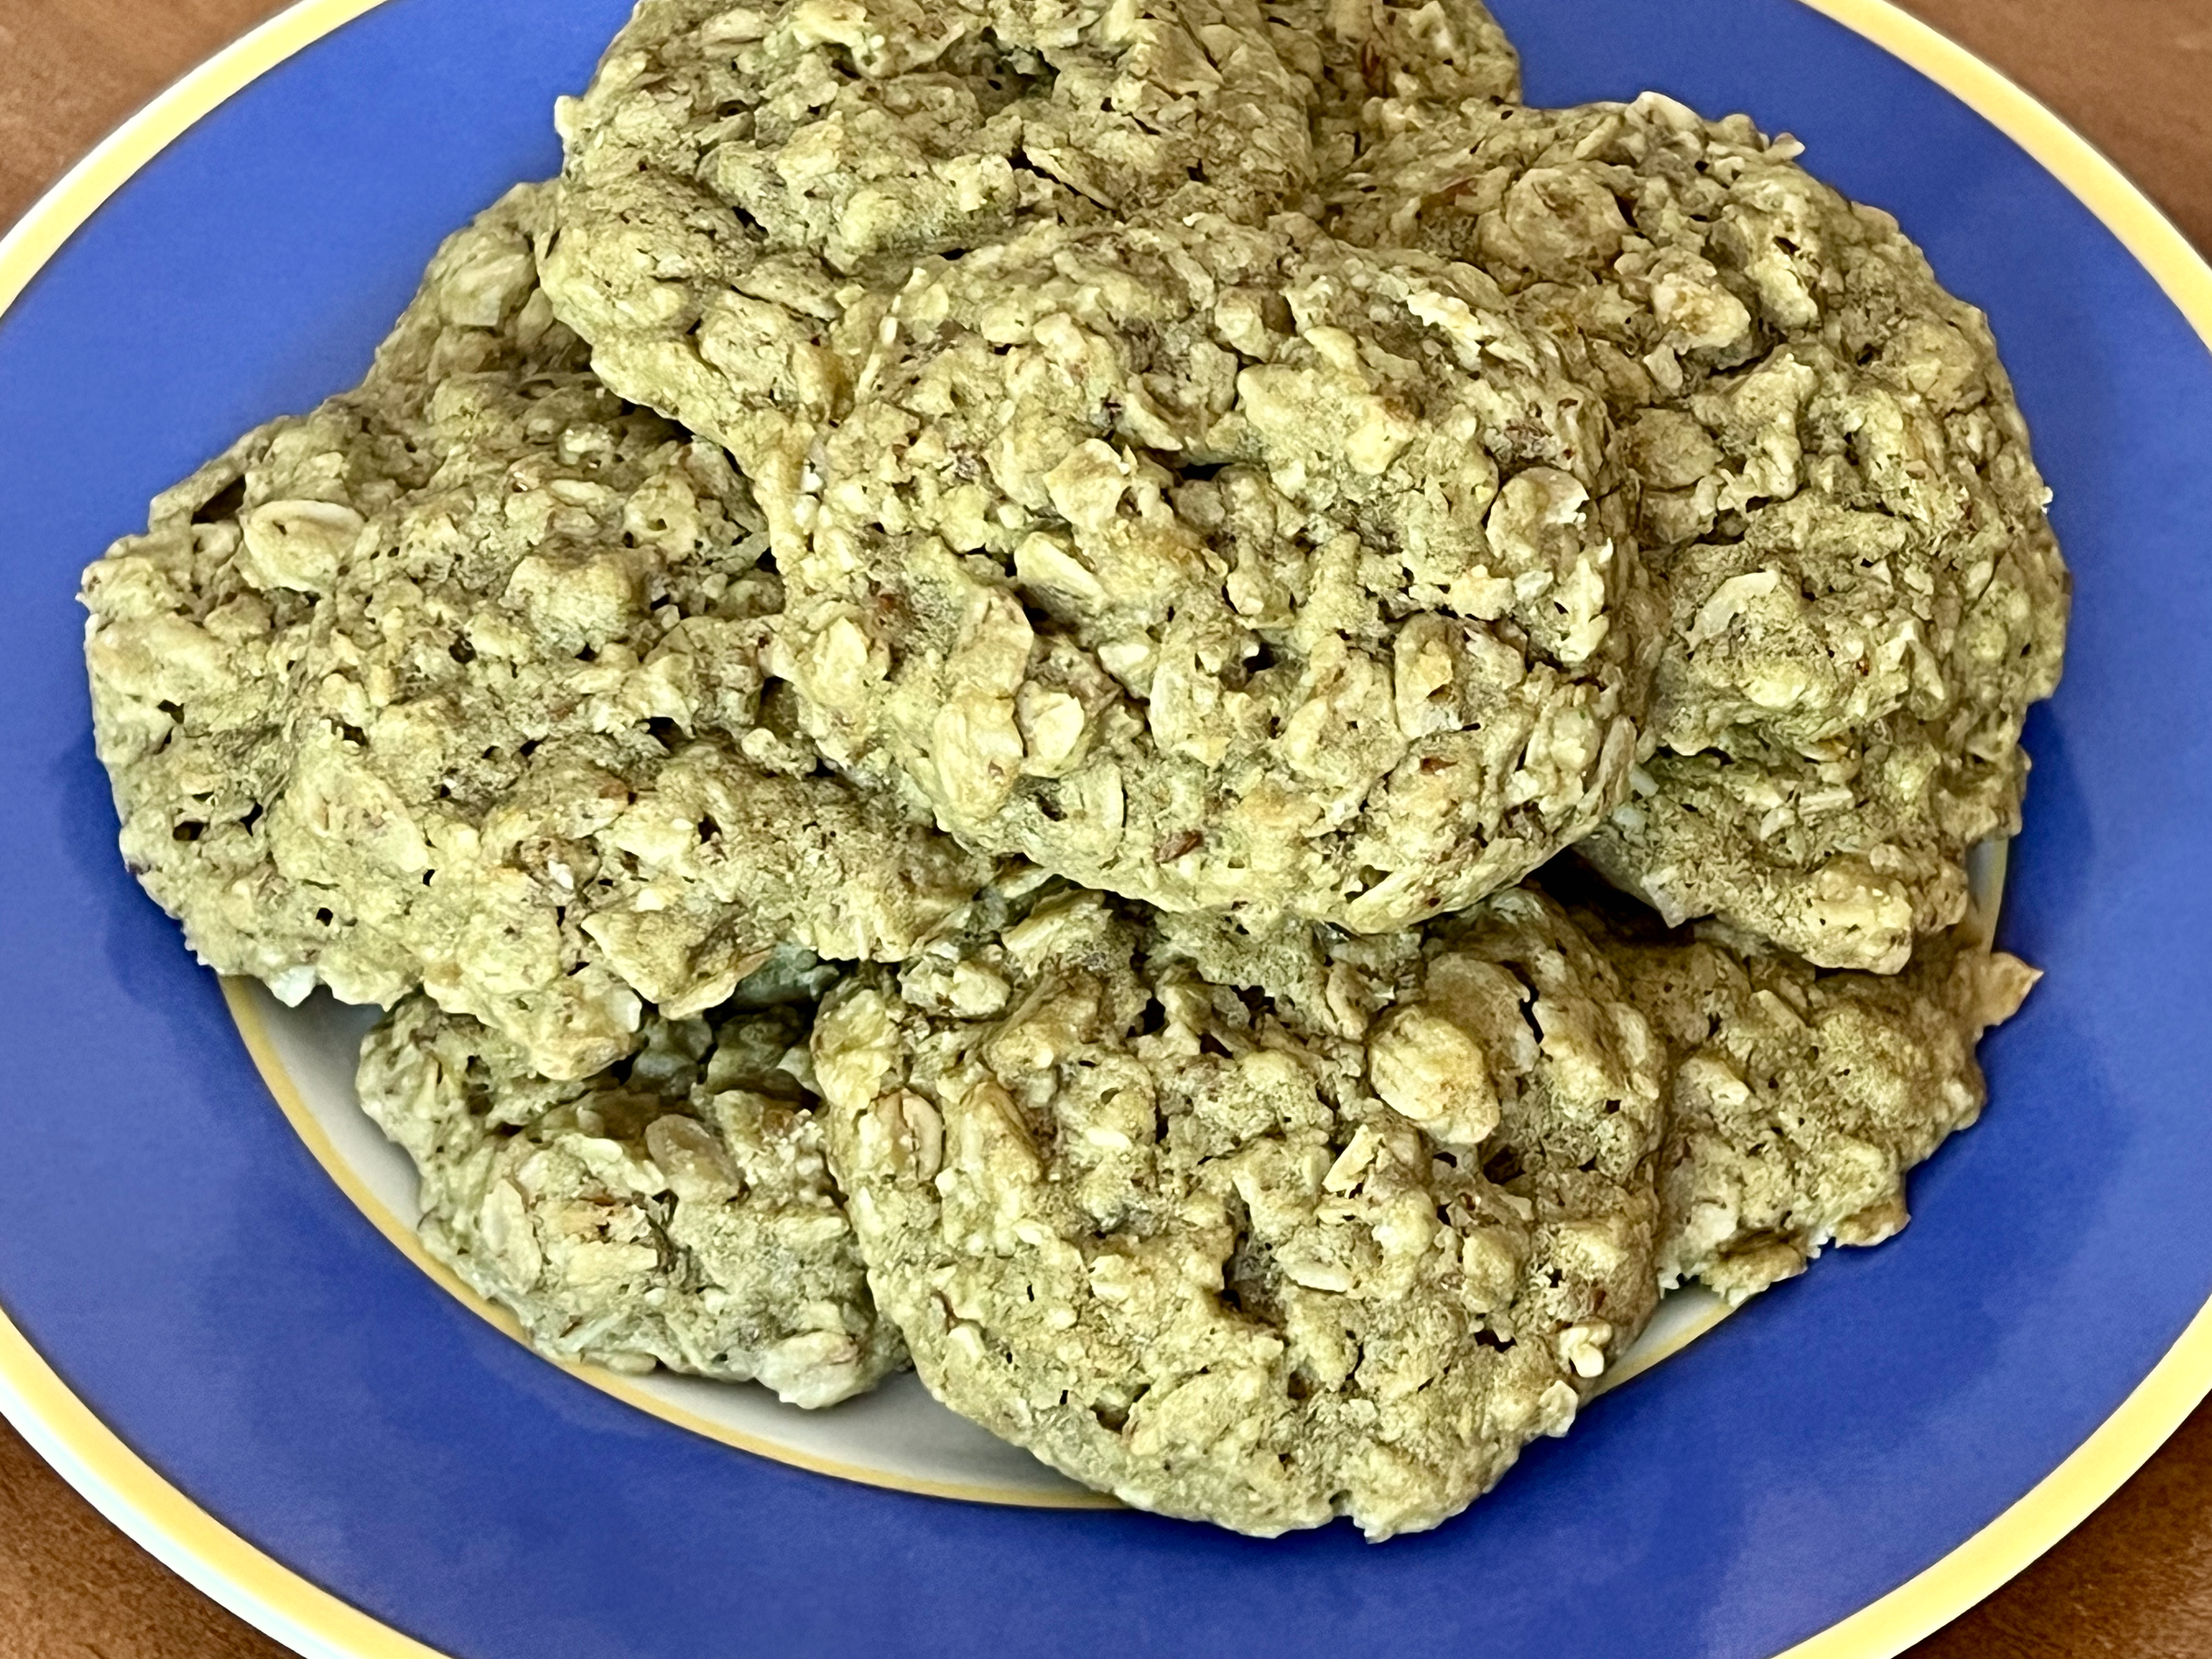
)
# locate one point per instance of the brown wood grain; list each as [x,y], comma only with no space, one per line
[2134,1583]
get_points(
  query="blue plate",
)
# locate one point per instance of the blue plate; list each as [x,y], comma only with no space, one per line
[209,1337]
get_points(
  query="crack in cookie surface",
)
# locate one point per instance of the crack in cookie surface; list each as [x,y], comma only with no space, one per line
[1371,66]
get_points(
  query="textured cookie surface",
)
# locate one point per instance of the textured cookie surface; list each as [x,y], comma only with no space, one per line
[1373,65]
[455,682]
[1837,495]
[1797,1099]
[743,182]
[1260,1260]
[1220,567]
[676,1210]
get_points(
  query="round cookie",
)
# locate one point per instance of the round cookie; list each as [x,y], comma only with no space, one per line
[1835,494]
[743,184]
[1258,1261]
[455,682]
[1373,65]
[676,1210]
[1797,1099]
[1224,567]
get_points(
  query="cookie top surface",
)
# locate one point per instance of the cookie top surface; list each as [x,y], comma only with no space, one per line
[1836,489]
[1257,1259]
[1369,65]
[677,1210]
[1225,566]
[455,681]
[1797,1098]
[739,179]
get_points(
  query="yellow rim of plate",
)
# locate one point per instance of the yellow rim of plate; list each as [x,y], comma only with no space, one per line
[254,1583]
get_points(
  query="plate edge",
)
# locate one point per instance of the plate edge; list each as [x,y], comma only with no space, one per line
[174,1530]
[49,222]
[2022,1532]
[127,1489]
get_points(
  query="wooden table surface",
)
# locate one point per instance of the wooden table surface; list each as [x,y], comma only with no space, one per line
[2134,1583]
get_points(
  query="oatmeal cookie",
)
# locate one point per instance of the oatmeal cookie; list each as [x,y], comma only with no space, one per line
[675,1211]
[456,681]
[1255,1260]
[1837,496]
[1224,567]
[1797,1099]
[743,184]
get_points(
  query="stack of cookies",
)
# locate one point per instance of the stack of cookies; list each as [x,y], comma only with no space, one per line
[1155,705]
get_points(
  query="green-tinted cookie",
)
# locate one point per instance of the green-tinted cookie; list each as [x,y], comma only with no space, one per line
[676,1210]
[1259,1260]
[1223,566]
[1837,495]
[456,681]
